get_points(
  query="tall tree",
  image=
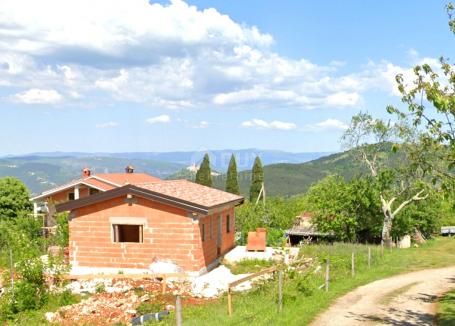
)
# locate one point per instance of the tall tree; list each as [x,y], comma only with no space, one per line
[257,180]
[14,198]
[204,174]
[365,136]
[430,98]
[232,182]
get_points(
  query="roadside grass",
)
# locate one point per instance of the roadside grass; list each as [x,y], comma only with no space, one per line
[446,310]
[303,300]
[248,266]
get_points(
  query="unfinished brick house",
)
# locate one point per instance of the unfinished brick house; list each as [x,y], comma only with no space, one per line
[136,224]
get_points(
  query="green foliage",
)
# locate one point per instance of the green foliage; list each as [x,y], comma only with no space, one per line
[257,179]
[348,210]
[204,174]
[61,238]
[277,215]
[232,182]
[14,198]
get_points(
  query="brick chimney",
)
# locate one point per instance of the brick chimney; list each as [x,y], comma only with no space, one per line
[86,172]
[129,169]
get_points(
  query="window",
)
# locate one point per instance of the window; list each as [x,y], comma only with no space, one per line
[203,232]
[93,191]
[228,224]
[127,233]
[71,196]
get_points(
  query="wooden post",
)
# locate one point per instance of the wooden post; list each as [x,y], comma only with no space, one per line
[382,248]
[280,291]
[369,257]
[229,302]
[353,264]
[327,275]
[178,311]
[163,285]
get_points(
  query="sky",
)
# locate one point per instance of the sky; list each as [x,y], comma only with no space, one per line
[138,75]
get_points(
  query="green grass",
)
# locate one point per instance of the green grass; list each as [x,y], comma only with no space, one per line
[249,266]
[446,310]
[302,298]
[37,317]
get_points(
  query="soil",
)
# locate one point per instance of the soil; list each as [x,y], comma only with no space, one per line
[407,299]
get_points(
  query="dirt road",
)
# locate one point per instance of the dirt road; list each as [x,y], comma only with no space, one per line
[407,299]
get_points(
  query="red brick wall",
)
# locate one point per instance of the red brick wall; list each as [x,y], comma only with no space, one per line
[169,234]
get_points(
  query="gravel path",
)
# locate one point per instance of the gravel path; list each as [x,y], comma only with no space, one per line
[407,299]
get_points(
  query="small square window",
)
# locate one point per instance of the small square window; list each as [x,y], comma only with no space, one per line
[128,233]
[71,196]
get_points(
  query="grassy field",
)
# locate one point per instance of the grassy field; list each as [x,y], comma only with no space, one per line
[446,310]
[303,300]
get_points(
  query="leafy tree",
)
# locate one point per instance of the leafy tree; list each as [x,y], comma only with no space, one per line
[204,174]
[363,137]
[232,182]
[430,100]
[14,198]
[257,180]
[346,209]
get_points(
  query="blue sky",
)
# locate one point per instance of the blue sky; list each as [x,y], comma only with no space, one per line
[132,76]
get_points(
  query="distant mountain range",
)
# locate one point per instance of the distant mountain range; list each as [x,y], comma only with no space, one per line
[285,179]
[41,171]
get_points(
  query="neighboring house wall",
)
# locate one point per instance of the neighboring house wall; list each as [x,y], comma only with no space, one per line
[62,196]
[168,234]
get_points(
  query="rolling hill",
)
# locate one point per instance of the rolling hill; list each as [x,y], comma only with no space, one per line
[285,179]
[41,171]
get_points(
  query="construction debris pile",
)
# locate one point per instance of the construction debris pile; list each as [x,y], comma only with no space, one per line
[112,301]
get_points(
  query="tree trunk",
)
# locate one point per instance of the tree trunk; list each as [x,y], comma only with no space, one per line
[386,231]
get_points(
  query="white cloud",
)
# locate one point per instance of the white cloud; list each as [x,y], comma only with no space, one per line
[164,118]
[326,125]
[168,56]
[202,124]
[275,124]
[110,124]
[38,96]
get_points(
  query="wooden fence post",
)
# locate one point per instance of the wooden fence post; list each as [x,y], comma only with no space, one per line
[353,264]
[369,257]
[280,291]
[382,248]
[178,311]
[327,275]
[163,285]
[229,302]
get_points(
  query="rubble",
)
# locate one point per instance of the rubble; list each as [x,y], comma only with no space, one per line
[216,282]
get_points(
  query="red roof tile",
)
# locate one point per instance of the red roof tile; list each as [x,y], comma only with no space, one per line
[191,192]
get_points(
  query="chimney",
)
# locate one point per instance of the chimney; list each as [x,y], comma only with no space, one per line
[86,172]
[129,169]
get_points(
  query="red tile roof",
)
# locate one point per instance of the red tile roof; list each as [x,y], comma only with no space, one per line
[191,192]
[122,179]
